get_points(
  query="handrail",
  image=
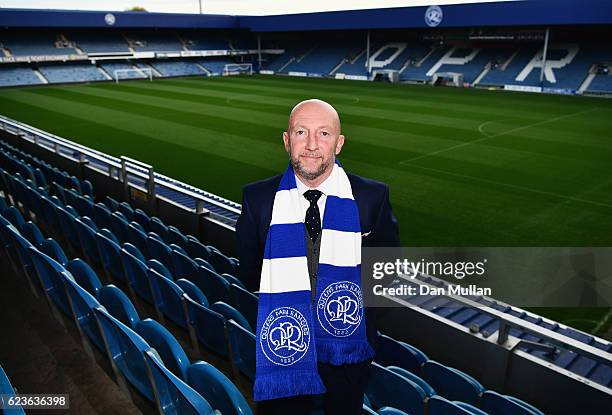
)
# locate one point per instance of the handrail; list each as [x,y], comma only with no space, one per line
[133,167]
[508,321]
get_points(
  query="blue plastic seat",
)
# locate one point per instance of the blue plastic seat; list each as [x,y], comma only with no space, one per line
[197,249]
[176,237]
[177,248]
[101,215]
[169,298]
[452,383]
[221,263]
[30,231]
[386,388]
[126,352]
[88,241]
[132,249]
[470,408]
[83,304]
[50,276]
[390,352]
[184,267]
[498,404]
[246,302]
[142,218]
[137,237]
[119,226]
[126,210]
[89,222]
[68,228]
[242,343]
[217,389]
[233,280]
[138,226]
[204,263]
[6,388]
[173,395]
[110,204]
[87,188]
[18,249]
[110,235]
[85,276]
[157,225]
[3,204]
[136,274]
[118,304]
[208,326]
[230,313]
[161,268]
[214,286]
[437,405]
[110,254]
[160,251]
[54,250]
[192,291]
[49,214]
[166,346]
[429,391]
[14,216]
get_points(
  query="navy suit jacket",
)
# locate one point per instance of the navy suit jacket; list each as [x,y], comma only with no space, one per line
[375,216]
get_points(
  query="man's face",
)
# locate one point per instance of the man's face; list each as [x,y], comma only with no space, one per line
[313,140]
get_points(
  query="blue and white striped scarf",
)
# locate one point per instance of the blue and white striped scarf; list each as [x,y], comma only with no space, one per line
[291,336]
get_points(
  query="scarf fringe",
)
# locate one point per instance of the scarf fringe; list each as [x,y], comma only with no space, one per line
[345,352]
[283,384]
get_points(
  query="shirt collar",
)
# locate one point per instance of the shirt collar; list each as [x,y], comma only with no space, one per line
[323,187]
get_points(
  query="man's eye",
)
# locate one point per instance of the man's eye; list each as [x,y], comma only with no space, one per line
[325,133]
[300,132]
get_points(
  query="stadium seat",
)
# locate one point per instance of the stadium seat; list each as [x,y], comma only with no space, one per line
[6,389]
[208,326]
[495,403]
[214,286]
[3,204]
[242,343]
[166,346]
[168,298]
[50,276]
[193,291]
[451,383]
[110,204]
[204,263]
[470,408]
[54,250]
[118,304]
[184,266]
[142,218]
[110,235]
[367,411]
[173,395]
[87,188]
[391,411]
[110,255]
[136,273]
[18,250]
[177,248]
[161,268]
[126,210]
[390,352]
[102,215]
[85,276]
[437,405]
[246,302]
[196,249]
[175,236]
[119,226]
[156,225]
[125,350]
[137,237]
[386,388]
[89,222]
[14,216]
[30,231]
[233,280]
[88,241]
[429,391]
[217,389]
[160,251]
[230,313]
[82,305]
[221,263]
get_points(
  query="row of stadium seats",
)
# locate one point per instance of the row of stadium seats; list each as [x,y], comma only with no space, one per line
[153,280]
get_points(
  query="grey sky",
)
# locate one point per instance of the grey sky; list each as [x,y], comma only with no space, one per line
[246,7]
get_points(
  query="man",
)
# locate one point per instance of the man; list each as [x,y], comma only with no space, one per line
[313,140]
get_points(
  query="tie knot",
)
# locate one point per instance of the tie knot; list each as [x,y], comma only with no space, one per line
[312,195]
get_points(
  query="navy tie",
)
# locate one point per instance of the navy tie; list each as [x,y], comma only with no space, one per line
[313,217]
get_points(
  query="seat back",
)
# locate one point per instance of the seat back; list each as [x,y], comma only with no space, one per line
[246,302]
[49,274]
[192,291]
[160,268]
[168,298]
[110,254]
[88,241]
[217,389]
[230,313]
[390,352]
[83,304]
[451,383]
[54,250]
[175,236]
[209,326]
[184,266]
[85,276]
[126,350]
[30,231]
[386,388]
[495,403]
[173,395]
[160,251]
[429,391]
[118,304]
[166,346]
[214,286]
[242,344]
[136,274]
[437,405]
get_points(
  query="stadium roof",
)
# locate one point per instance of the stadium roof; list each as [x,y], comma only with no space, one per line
[501,13]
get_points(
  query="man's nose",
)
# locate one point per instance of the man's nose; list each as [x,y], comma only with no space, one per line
[311,142]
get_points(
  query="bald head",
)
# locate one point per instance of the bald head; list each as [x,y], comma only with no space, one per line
[313,140]
[315,108]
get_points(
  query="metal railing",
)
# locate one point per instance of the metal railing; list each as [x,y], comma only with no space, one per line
[132,173]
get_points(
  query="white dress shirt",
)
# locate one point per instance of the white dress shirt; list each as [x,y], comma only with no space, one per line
[305,204]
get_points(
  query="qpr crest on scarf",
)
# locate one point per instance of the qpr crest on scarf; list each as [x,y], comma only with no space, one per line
[340,308]
[285,336]
[433,16]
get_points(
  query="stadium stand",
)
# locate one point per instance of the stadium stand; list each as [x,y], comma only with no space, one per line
[72,72]
[18,75]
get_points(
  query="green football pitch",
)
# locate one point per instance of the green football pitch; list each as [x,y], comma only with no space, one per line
[465,167]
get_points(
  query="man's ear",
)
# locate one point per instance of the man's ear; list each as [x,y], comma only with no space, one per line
[286,141]
[339,144]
